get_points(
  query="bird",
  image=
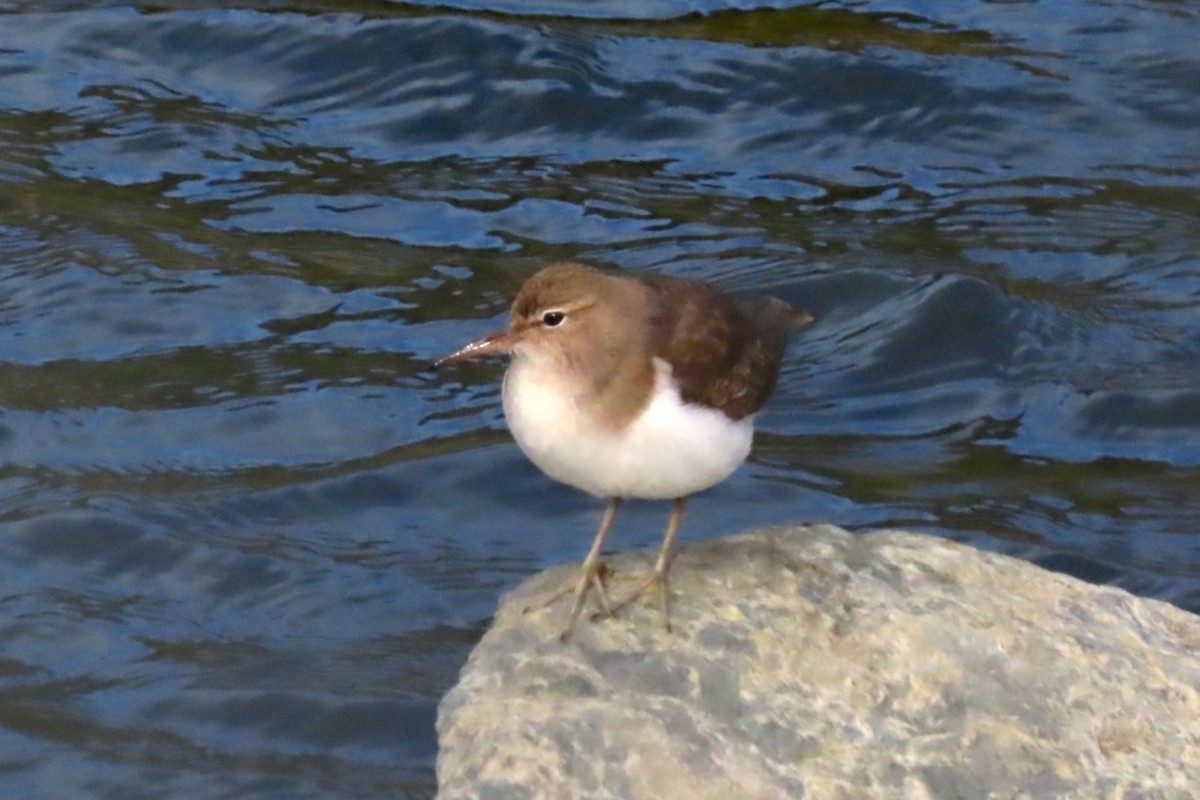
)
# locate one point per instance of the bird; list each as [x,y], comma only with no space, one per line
[634,385]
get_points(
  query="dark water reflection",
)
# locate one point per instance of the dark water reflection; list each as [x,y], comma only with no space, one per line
[247,536]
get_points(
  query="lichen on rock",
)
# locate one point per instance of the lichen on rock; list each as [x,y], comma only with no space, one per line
[812,662]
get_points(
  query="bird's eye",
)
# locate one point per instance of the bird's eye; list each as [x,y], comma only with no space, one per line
[553,318]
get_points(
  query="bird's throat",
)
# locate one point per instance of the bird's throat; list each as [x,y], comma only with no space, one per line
[607,389]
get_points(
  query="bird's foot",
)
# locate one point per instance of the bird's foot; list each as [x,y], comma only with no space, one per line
[592,579]
[599,582]
[655,579]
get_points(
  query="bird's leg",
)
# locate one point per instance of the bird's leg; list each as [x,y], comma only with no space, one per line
[662,566]
[591,575]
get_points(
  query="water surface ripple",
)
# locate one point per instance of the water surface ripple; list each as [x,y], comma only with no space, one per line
[248,536]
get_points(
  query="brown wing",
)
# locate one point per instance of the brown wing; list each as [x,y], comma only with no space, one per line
[724,354]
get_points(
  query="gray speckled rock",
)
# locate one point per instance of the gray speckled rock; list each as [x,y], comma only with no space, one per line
[813,663]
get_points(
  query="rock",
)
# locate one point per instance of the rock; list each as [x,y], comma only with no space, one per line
[815,663]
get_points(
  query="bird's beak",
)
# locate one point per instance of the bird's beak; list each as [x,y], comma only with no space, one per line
[499,342]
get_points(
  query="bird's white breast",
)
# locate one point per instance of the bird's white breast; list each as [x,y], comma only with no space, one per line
[671,450]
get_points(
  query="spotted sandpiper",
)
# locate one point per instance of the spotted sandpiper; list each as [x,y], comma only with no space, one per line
[635,386]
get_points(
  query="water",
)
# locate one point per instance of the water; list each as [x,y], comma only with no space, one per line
[248,536]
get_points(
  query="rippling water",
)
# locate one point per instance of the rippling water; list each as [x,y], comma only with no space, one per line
[248,537]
